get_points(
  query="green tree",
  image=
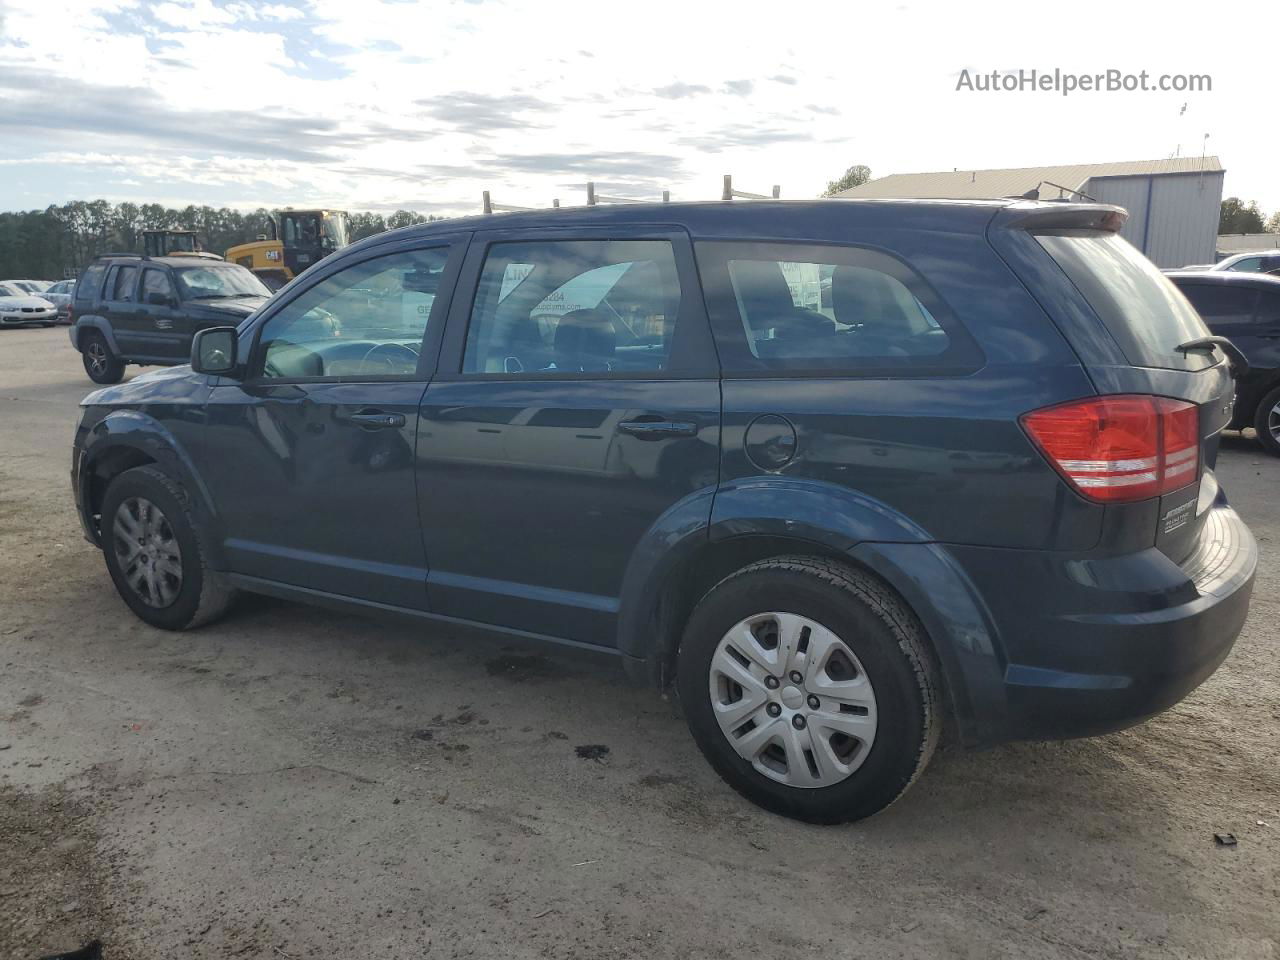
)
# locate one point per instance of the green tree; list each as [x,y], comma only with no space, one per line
[1273,224]
[1237,217]
[855,176]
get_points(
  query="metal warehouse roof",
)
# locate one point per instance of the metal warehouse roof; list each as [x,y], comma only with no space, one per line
[978,184]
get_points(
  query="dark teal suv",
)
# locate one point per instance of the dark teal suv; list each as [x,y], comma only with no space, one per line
[840,472]
[132,309]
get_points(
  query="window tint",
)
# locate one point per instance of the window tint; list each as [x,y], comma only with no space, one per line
[156,281]
[1139,305]
[90,283]
[122,284]
[580,306]
[364,322]
[843,309]
[1221,303]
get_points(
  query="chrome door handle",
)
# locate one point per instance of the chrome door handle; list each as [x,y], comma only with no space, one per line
[658,429]
[377,421]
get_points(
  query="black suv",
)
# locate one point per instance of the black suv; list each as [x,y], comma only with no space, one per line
[1245,307]
[841,471]
[134,309]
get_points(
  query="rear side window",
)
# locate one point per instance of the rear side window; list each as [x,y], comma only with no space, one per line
[90,283]
[1221,303]
[826,308]
[1138,304]
[575,307]
[122,283]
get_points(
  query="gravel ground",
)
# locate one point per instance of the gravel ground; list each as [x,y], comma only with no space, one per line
[295,783]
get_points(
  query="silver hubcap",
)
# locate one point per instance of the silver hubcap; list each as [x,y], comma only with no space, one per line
[1273,422]
[97,357]
[147,551]
[793,700]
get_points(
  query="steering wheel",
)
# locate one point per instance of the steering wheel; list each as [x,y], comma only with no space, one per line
[390,359]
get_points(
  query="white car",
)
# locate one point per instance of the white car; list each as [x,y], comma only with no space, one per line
[17,306]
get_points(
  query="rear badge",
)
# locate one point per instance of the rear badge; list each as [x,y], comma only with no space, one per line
[1179,516]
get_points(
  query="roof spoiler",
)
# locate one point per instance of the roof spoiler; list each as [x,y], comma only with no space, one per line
[1033,215]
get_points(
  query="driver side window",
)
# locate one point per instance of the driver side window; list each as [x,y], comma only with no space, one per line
[366,322]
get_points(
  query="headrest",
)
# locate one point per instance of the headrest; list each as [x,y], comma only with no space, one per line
[585,340]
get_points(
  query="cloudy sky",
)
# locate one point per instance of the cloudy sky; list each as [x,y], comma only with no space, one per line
[381,105]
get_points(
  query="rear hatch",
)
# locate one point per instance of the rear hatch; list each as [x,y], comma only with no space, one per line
[1126,321]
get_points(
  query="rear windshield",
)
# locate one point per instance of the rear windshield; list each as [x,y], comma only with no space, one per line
[1144,311]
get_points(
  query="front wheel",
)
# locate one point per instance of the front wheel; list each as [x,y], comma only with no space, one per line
[810,688]
[1266,421]
[155,552]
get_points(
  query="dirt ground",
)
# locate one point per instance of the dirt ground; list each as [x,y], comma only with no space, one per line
[294,783]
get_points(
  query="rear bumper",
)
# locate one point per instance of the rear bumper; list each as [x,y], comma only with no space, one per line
[1095,644]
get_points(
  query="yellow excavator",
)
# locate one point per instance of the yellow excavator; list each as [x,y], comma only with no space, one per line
[299,239]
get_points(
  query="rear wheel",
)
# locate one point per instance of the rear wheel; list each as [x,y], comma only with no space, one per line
[809,687]
[100,363]
[1266,421]
[155,552]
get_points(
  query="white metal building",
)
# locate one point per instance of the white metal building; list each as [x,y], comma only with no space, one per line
[1173,204]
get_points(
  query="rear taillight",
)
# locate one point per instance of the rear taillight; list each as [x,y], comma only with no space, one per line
[71,318]
[1118,449]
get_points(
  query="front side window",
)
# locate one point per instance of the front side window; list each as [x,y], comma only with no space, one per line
[843,309]
[122,286]
[364,322]
[156,281]
[573,307]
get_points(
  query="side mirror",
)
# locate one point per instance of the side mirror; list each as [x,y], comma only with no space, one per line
[214,350]
[157,299]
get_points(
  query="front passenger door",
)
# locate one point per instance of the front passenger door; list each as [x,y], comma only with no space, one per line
[310,456]
[159,321]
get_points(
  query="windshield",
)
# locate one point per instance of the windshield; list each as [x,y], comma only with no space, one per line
[213,283]
[335,231]
[1143,310]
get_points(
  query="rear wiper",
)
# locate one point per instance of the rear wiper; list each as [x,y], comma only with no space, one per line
[1236,360]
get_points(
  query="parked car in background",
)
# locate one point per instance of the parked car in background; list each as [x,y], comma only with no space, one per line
[935,462]
[18,307]
[1245,308]
[30,286]
[145,310]
[1261,261]
[59,294]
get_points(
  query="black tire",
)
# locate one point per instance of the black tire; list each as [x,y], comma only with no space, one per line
[1268,432]
[100,363]
[203,594]
[884,635]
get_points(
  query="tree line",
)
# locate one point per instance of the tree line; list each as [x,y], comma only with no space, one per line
[58,241]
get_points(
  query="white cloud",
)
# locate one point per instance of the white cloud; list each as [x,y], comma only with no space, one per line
[410,104]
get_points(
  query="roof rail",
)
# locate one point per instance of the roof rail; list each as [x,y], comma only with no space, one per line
[122,253]
[594,199]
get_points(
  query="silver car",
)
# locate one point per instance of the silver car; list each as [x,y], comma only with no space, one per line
[60,295]
[19,307]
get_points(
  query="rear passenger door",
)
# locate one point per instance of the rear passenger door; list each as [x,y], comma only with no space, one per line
[120,308]
[576,409]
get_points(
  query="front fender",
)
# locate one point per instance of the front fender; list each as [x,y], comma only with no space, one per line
[124,432]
